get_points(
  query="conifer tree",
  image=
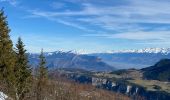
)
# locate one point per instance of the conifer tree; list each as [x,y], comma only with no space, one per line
[22,71]
[42,76]
[7,58]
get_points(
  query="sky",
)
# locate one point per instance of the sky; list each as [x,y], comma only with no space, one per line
[89,25]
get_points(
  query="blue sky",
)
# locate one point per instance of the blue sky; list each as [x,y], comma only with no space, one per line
[89,25]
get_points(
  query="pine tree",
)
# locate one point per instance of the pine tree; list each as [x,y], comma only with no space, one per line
[7,58]
[42,76]
[22,71]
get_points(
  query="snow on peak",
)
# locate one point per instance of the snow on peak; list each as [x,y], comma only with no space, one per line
[62,51]
[146,50]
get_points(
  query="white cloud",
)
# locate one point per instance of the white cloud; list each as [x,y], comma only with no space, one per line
[141,35]
[124,18]
[54,17]
[144,9]
[73,25]
[117,17]
[11,2]
[121,21]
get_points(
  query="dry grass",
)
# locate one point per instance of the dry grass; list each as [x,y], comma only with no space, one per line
[62,89]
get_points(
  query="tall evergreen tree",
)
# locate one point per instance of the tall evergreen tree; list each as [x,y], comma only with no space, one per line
[7,58]
[42,76]
[22,71]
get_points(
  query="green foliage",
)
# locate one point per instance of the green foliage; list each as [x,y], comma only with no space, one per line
[160,71]
[22,71]
[14,70]
[7,57]
[42,76]
[42,69]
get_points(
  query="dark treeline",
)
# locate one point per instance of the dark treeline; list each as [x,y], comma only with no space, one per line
[18,82]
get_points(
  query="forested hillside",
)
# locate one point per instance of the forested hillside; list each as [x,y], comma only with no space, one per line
[160,71]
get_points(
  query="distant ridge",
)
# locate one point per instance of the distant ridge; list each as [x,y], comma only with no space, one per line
[84,52]
[134,58]
[70,59]
[159,71]
[145,50]
[121,59]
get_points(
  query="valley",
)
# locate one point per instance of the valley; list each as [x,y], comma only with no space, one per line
[131,82]
[130,85]
[141,82]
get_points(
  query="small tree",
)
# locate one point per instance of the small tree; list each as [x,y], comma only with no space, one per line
[42,76]
[22,72]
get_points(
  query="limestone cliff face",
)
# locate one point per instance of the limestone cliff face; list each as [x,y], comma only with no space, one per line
[123,87]
[98,81]
[131,90]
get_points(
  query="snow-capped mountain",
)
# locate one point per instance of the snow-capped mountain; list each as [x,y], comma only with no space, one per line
[146,50]
[119,59]
[134,58]
[63,51]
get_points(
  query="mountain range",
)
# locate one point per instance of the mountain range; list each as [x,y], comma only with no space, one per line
[60,59]
[105,61]
[145,50]
[124,59]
